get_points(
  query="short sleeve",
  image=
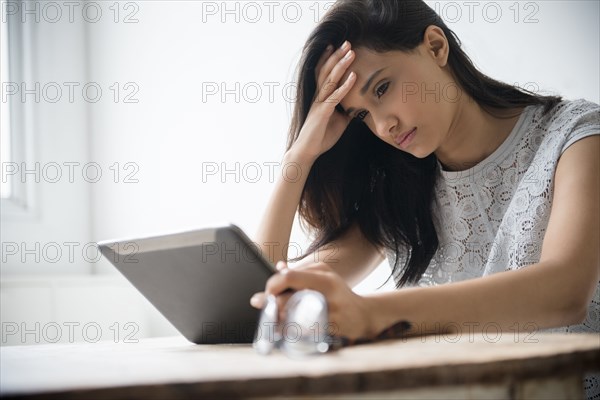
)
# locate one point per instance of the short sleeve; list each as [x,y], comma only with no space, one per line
[582,119]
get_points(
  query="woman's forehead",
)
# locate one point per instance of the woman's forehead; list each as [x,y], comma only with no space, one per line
[369,67]
[367,61]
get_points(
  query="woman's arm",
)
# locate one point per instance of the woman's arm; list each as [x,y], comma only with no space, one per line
[274,231]
[321,130]
[555,292]
[351,256]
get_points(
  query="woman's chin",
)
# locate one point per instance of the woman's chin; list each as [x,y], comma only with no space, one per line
[417,152]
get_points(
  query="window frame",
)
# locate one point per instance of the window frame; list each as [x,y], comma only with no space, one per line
[21,204]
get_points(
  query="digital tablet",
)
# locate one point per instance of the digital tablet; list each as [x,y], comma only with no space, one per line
[200,280]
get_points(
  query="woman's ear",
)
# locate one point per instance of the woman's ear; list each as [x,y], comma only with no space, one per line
[436,44]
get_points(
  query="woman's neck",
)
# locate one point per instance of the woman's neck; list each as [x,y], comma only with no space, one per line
[474,135]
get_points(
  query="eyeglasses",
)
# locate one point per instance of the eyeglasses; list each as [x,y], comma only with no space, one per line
[306,330]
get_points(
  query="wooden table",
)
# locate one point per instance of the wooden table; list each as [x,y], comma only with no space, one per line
[470,366]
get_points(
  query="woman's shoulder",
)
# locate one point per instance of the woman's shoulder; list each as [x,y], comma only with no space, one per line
[578,104]
[566,122]
[571,112]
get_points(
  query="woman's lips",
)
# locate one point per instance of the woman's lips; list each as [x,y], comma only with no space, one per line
[404,139]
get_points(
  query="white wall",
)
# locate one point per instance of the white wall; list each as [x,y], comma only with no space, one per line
[553,47]
[173,52]
[54,128]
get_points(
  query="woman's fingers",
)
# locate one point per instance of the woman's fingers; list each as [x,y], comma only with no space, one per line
[314,267]
[347,313]
[298,280]
[258,300]
[282,300]
[331,61]
[281,265]
[288,281]
[332,71]
[323,127]
[324,57]
[339,93]
[335,76]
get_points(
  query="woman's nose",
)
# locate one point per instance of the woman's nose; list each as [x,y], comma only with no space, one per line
[385,127]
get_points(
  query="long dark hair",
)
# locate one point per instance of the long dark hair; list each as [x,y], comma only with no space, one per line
[362,179]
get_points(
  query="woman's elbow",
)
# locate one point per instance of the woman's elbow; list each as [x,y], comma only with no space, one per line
[577,293]
[575,315]
[576,311]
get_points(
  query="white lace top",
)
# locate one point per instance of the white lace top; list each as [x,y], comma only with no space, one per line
[493,216]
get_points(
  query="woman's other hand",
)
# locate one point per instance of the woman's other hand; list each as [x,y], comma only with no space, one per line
[349,314]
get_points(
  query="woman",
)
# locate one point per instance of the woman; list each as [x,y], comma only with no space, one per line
[407,151]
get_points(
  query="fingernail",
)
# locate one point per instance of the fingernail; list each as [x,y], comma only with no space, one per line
[280,265]
[255,300]
[345,45]
[329,47]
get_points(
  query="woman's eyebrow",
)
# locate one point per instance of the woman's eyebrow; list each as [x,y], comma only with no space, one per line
[366,87]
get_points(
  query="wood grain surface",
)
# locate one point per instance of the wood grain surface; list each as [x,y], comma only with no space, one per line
[175,368]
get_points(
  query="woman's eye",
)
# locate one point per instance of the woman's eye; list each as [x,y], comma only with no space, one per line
[382,89]
[380,92]
[361,115]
